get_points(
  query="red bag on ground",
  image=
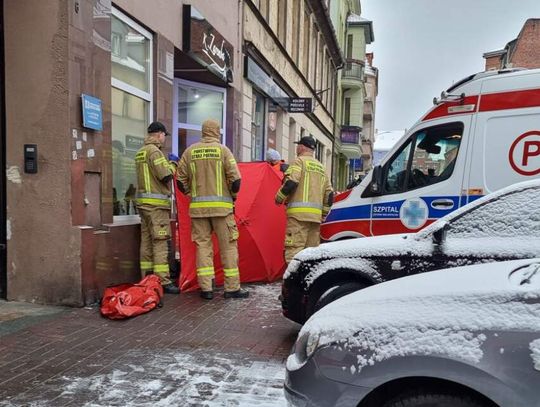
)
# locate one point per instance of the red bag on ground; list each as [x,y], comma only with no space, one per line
[128,300]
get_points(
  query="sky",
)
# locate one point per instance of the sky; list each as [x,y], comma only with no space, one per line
[421,47]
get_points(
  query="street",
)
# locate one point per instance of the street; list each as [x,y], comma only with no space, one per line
[188,353]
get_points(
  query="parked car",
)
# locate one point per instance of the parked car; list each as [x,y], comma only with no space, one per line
[504,225]
[467,337]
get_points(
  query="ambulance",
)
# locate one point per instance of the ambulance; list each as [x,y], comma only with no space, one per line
[482,134]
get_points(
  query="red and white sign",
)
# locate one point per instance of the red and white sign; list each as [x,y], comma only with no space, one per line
[524,155]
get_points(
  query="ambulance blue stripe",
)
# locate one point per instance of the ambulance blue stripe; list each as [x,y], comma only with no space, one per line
[390,210]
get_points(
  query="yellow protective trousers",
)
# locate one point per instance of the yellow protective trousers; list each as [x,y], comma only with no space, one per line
[155,233]
[227,235]
[299,235]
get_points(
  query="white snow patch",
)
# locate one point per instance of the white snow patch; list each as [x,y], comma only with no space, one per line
[13,174]
[357,264]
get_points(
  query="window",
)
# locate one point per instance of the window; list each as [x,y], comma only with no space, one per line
[347,112]
[349,46]
[131,104]
[305,48]
[320,67]
[521,212]
[264,9]
[319,151]
[258,125]
[314,44]
[296,23]
[428,158]
[282,21]
[195,102]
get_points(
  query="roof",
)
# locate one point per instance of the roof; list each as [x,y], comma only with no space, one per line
[356,20]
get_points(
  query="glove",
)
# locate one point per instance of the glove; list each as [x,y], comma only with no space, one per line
[173,157]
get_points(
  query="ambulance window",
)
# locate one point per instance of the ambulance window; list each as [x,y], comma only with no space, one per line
[397,170]
[435,154]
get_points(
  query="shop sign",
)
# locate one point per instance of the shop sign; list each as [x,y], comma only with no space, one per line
[300,105]
[91,112]
[256,75]
[206,45]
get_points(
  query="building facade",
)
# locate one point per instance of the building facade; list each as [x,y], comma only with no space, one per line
[290,52]
[354,33]
[368,127]
[84,78]
[521,52]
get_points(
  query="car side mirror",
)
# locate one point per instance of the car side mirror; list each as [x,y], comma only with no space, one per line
[376,181]
[439,236]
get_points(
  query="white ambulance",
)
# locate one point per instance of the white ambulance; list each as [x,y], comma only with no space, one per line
[482,134]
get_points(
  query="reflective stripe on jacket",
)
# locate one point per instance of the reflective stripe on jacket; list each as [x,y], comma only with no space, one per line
[207,171]
[309,202]
[152,168]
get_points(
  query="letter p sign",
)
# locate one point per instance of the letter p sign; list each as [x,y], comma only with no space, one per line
[524,154]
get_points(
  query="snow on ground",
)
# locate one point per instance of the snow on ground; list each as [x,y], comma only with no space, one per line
[535,348]
[181,379]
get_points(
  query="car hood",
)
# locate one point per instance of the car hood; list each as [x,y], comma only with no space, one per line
[444,312]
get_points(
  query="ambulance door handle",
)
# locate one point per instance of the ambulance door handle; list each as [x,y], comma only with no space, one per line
[442,204]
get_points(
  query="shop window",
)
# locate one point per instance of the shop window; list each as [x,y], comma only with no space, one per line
[195,103]
[131,105]
[258,116]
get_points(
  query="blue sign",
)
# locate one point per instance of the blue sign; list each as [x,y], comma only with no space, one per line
[91,112]
[356,164]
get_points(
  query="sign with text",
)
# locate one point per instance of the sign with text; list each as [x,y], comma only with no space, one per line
[206,45]
[92,112]
[300,105]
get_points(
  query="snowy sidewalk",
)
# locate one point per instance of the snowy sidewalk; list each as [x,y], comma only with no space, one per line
[189,353]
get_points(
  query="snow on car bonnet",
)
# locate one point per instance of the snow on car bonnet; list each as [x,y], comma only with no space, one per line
[439,313]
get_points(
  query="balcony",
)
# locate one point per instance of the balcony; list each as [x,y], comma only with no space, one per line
[352,75]
[350,141]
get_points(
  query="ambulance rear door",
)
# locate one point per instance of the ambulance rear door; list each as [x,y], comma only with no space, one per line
[506,147]
[422,180]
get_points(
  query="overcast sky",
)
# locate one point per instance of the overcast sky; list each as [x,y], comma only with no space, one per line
[423,46]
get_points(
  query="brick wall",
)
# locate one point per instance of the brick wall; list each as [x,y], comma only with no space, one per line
[527,52]
[493,63]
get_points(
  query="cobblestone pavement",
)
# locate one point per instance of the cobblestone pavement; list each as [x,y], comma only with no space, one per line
[189,353]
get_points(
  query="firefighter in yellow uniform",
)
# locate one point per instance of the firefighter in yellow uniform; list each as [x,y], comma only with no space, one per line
[208,173]
[308,194]
[153,197]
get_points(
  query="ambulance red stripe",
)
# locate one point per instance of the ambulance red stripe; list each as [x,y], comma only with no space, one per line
[519,99]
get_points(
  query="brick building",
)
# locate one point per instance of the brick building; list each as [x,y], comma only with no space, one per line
[521,52]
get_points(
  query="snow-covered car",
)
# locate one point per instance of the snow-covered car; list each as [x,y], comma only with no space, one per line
[504,225]
[466,338]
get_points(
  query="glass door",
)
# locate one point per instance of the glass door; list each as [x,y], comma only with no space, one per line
[194,103]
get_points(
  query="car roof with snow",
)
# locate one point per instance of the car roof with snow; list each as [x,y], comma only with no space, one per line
[396,243]
[442,307]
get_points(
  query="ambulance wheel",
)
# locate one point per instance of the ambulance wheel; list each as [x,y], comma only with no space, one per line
[337,291]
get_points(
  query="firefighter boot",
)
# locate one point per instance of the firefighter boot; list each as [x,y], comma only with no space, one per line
[171,289]
[207,295]
[241,293]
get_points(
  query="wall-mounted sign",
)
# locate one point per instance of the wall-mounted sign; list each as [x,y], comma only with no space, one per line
[206,45]
[300,105]
[91,112]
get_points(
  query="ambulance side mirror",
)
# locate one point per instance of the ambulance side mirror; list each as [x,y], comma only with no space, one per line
[375,186]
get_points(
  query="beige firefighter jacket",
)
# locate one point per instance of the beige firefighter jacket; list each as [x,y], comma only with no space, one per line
[153,189]
[311,200]
[207,171]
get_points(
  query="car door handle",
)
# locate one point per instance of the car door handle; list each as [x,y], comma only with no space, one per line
[442,204]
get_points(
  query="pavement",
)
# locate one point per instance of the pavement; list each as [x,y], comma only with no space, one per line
[191,352]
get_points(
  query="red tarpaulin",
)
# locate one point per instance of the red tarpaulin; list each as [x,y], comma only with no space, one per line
[261,225]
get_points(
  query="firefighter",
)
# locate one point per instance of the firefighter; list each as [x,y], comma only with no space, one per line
[308,194]
[154,174]
[208,173]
